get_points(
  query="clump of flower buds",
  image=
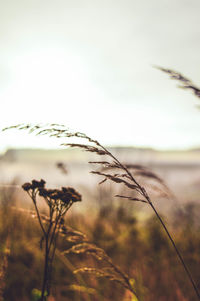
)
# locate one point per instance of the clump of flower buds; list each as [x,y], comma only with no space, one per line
[65,194]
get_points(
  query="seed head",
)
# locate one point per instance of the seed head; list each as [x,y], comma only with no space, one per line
[65,194]
[27,186]
[70,194]
[38,184]
[33,185]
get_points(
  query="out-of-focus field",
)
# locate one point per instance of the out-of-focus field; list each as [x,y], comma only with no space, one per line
[179,169]
[128,232]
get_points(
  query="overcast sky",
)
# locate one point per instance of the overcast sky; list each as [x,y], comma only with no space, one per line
[89,64]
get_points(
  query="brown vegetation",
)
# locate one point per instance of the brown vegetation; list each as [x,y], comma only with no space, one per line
[143,265]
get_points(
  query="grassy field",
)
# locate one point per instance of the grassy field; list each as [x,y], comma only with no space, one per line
[128,232]
[140,249]
[133,238]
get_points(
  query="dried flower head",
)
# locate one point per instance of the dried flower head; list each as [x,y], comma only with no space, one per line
[59,201]
[66,194]
[33,185]
[27,186]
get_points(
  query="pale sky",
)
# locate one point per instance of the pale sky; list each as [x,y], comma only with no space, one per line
[89,64]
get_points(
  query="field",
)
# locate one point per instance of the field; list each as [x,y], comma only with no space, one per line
[127,231]
[100,152]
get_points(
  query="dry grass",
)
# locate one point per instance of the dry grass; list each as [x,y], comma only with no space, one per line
[153,248]
[140,249]
[185,82]
[123,175]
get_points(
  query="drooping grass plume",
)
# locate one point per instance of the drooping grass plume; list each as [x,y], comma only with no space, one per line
[111,272]
[124,175]
[185,82]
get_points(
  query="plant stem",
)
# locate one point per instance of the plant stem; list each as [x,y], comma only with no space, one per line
[177,251]
[46,262]
[38,214]
[45,273]
[143,192]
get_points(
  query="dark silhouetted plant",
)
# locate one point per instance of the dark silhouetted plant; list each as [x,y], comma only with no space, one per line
[58,202]
[185,82]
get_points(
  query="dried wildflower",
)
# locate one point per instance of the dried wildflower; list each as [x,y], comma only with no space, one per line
[59,202]
[38,184]
[43,192]
[27,186]
[35,184]
[65,194]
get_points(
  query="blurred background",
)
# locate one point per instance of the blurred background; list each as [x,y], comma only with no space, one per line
[90,65]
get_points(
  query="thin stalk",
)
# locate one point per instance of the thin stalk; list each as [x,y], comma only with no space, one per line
[46,262]
[38,214]
[51,256]
[126,279]
[45,273]
[143,192]
[55,242]
[177,251]
[54,230]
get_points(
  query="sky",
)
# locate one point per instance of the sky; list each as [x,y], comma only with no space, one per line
[89,64]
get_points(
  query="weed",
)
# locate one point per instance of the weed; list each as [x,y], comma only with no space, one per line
[59,202]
